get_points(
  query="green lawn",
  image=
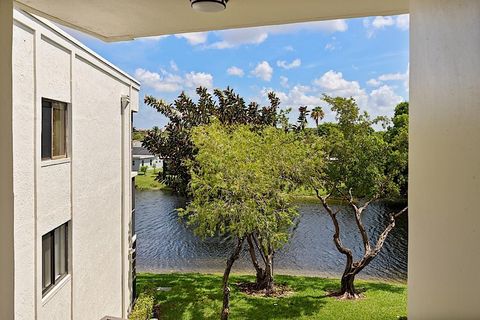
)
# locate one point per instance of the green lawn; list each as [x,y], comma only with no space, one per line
[148,182]
[198,296]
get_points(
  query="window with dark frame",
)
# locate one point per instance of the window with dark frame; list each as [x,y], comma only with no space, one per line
[54,257]
[54,129]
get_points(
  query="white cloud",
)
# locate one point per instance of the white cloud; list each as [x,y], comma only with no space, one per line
[372,25]
[263,70]
[285,65]
[333,83]
[173,66]
[384,99]
[284,81]
[235,71]
[379,101]
[387,77]
[236,37]
[298,95]
[380,22]
[403,22]
[374,83]
[199,79]
[162,82]
[168,82]
[301,95]
[194,38]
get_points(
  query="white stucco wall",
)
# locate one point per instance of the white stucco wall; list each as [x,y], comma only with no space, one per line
[444,219]
[95,199]
[24,169]
[6,159]
[97,220]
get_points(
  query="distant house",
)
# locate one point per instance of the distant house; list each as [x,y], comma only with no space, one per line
[142,157]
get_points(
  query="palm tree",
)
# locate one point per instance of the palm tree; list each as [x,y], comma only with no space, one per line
[317,114]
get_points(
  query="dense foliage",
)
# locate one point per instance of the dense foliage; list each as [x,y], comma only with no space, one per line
[174,143]
[397,137]
[241,180]
[143,308]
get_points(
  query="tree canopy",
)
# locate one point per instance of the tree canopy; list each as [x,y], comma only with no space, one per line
[240,181]
[174,143]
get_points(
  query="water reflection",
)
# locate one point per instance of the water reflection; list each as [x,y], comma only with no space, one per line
[166,244]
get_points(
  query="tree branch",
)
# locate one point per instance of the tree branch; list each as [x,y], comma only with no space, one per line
[253,256]
[336,236]
[255,240]
[388,228]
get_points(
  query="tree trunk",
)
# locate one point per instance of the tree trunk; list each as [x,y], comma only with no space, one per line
[264,276]
[260,272]
[266,282]
[226,275]
[347,290]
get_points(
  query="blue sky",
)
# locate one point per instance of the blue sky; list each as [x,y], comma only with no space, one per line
[367,58]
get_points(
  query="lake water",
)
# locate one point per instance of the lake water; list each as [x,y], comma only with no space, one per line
[166,244]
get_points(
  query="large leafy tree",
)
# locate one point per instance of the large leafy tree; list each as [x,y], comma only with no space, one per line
[174,142]
[239,182]
[397,136]
[357,168]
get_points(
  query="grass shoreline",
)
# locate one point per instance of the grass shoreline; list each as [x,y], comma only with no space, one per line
[147,182]
[281,272]
[198,296]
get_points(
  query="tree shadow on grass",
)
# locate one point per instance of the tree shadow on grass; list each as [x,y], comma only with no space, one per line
[199,296]
[194,296]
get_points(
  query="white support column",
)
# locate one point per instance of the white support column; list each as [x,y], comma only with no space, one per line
[6,163]
[444,195]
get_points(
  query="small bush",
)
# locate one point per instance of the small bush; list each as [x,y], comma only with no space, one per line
[143,169]
[143,308]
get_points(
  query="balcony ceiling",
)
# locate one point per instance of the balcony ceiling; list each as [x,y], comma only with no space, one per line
[115,20]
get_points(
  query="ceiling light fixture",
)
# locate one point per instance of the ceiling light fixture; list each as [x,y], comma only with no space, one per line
[209,5]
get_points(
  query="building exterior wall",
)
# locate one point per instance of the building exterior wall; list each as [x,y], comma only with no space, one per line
[6,161]
[24,169]
[95,200]
[444,219]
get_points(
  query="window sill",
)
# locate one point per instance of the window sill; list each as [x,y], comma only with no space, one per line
[52,292]
[48,163]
